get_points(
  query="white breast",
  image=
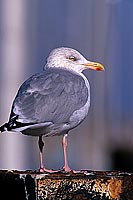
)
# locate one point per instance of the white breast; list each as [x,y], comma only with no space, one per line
[79,115]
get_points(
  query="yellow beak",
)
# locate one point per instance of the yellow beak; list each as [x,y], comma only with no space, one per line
[94,66]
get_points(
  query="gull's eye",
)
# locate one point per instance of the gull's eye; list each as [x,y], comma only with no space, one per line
[72,58]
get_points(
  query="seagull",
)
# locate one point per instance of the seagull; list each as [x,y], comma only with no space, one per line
[54,101]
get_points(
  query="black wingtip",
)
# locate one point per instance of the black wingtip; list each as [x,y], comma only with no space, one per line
[4,127]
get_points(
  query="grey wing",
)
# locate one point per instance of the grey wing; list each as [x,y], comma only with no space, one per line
[51,96]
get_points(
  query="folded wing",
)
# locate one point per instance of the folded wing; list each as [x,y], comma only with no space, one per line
[50,96]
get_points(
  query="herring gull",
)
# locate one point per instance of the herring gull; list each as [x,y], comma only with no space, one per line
[54,101]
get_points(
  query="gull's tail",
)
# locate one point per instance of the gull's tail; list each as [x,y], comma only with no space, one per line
[4,127]
[12,124]
[9,125]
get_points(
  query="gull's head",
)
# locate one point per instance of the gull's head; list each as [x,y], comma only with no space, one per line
[70,59]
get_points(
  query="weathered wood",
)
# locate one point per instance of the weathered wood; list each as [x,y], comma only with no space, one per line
[91,185]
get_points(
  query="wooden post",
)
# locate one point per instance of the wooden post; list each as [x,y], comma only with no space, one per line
[91,185]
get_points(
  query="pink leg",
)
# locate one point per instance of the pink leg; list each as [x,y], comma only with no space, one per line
[64,144]
[42,168]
